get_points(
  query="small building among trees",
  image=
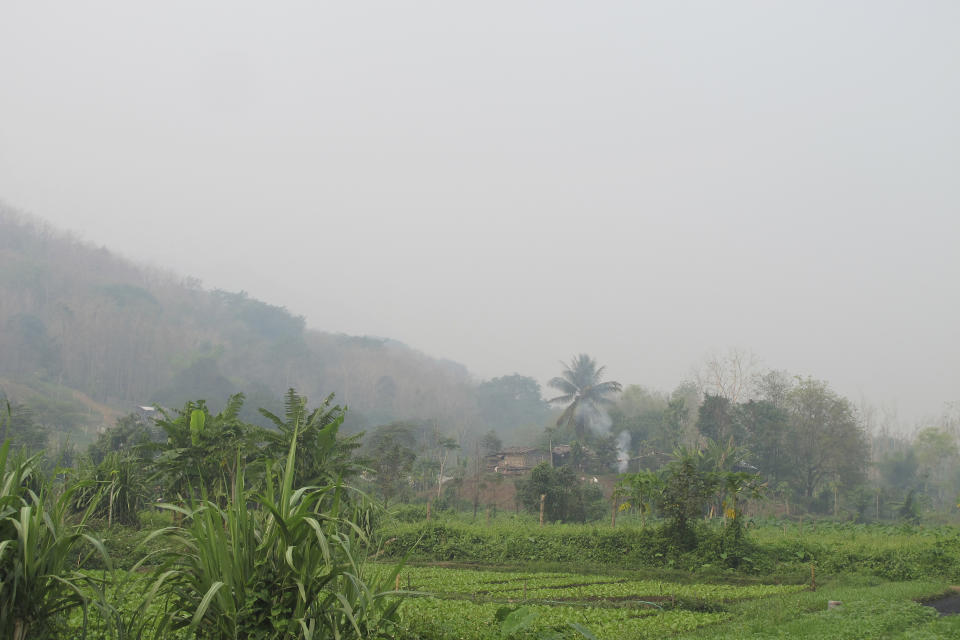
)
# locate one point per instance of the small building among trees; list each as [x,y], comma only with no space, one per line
[516,460]
[519,460]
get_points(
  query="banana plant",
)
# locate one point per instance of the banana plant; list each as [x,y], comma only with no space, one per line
[322,455]
[639,491]
[201,449]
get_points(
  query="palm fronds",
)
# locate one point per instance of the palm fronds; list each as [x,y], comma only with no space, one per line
[582,386]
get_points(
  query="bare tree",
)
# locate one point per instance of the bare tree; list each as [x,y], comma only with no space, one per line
[729,375]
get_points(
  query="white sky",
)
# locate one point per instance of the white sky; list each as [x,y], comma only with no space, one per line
[507,184]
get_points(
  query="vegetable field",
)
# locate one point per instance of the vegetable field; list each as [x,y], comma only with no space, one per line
[471,604]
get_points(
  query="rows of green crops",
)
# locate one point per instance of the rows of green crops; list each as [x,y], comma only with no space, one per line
[568,586]
[436,618]
[468,604]
[463,603]
[436,580]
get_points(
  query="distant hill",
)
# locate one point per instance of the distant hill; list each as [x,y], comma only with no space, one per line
[86,335]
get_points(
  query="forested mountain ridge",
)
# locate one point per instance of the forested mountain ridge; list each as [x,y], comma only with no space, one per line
[85,330]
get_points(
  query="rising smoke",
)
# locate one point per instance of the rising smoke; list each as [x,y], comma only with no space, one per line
[623,454]
[594,417]
[598,420]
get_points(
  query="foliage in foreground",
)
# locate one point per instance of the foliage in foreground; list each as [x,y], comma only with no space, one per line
[38,554]
[259,558]
[273,565]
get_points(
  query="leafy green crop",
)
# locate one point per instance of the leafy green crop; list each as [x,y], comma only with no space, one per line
[435,619]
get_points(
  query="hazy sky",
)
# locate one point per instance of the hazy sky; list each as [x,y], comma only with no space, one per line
[507,184]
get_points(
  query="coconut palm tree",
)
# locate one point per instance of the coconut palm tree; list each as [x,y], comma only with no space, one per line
[583,391]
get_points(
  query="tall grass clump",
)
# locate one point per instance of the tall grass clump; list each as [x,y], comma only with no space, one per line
[283,562]
[116,486]
[40,550]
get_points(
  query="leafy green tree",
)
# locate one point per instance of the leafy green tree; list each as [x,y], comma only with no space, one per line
[909,511]
[766,427]
[642,417]
[568,499]
[675,418]
[825,439]
[656,422]
[639,412]
[605,451]
[130,434]
[686,490]
[392,452]
[584,392]
[936,451]
[509,402]
[899,469]
[491,443]
[714,419]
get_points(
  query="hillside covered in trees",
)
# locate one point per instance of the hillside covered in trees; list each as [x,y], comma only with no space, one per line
[86,336]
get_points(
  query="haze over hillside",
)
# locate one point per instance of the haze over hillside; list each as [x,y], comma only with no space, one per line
[86,335]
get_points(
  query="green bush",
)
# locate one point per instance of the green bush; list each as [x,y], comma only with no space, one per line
[566,497]
[887,552]
[409,513]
